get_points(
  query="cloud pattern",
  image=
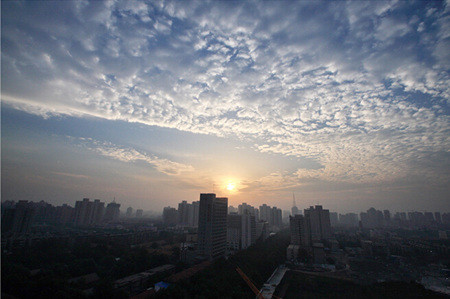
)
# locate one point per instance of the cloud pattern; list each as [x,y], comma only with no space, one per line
[127,154]
[361,87]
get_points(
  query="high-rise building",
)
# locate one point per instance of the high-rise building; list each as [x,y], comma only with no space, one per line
[437,216]
[170,216]
[334,219]
[429,219]
[294,209]
[299,228]
[112,212]
[276,217]
[264,213]
[417,219]
[243,208]
[387,216]
[234,232]
[402,216]
[195,210]
[43,212]
[232,209]
[241,231]
[248,232]
[286,214]
[188,214]
[183,213]
[319,223]
[212,226]
[129,212]
[82,211]
[139,213]
[348,220]
[272,215]
[64,214]
[98,209]
[18,219]
[88,212]
[190,218]
[372,218]
[445,218]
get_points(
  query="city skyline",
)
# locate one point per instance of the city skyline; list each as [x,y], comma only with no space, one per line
[343,103]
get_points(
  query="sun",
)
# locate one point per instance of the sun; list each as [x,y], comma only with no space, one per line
[231,186]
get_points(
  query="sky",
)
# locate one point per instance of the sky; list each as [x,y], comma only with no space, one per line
[344,104]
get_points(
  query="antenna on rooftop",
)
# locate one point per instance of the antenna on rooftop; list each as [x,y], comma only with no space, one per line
[293,200]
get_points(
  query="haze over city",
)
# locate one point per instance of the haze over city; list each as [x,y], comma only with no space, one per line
[344,104]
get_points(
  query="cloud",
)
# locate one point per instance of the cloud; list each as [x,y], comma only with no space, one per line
[126,154]
[361,87]
[72,175]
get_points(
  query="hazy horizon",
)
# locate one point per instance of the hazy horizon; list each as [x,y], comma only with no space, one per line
[344,104]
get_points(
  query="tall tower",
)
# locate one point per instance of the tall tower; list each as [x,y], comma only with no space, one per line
[294,210]
[212,226]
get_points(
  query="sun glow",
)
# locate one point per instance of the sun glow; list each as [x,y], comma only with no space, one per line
[231,186]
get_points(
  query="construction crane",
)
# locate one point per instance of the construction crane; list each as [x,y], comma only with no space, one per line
[250,283]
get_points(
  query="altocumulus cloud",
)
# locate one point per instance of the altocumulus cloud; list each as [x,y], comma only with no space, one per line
[362,87]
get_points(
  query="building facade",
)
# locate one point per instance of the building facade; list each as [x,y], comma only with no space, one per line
[112,212]
[212,226]
[170,216]
[299,228]
[318,220]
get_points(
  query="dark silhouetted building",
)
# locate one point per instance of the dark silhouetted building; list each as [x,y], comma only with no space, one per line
[112,212]
[234,228]
[348,220]
[248,233]
[319,223]
[437,216]
[129,212]
[183,213]
[299,228]
[193,214]
[98,209]
[64,214]
[18,219]
[212,226]
[246,208]
[170,216]
[272,215]
[88,212]
[372,218]
[294,209]
[334,221]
